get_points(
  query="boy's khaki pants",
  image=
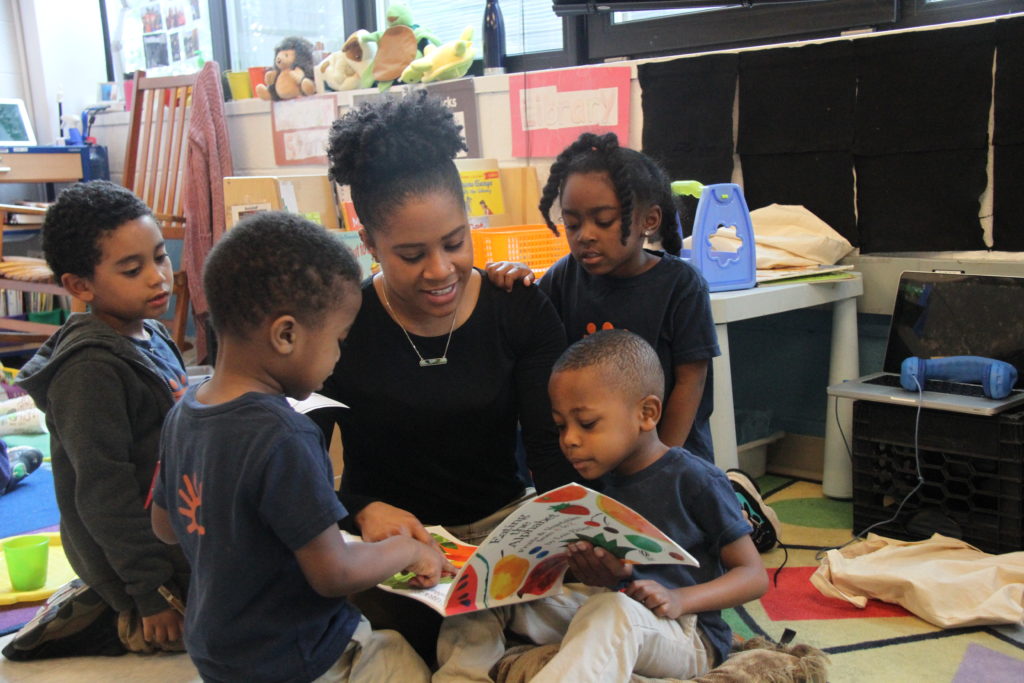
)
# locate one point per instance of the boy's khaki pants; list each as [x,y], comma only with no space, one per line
[374,656]
[604,636]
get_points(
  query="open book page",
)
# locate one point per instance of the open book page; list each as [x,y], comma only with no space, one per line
[525,557]
[435,597]
[314,402]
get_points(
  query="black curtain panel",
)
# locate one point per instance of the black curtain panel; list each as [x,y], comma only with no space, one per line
[924,91]
[1008,138]
[687,106]
[795,100]
[796,129]
[921,138]
[822,182]
[921,201]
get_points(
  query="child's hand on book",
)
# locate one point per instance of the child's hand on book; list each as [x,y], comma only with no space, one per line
[506,274]
[429,567]
[596,566]
[664,602]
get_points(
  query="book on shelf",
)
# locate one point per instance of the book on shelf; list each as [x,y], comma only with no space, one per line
[525,557]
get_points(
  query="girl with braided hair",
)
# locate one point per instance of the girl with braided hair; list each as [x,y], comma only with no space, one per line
[441,367]
[613,201]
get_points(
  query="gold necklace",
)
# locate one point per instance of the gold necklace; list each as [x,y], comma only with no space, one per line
[424,362]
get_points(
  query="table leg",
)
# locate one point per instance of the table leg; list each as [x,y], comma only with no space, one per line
[844,364]
[723,417]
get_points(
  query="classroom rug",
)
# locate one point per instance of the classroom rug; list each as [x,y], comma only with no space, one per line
[31,505]
[882,642]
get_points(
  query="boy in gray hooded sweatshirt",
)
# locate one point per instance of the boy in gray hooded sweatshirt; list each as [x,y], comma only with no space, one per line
[105,381]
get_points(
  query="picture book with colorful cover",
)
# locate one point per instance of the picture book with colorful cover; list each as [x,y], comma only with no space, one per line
[525,557]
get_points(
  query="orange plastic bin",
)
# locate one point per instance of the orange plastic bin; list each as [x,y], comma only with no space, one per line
[534,245]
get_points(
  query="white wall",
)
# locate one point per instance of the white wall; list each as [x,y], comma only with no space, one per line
[62,43]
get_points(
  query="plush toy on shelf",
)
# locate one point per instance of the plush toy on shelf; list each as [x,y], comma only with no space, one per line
[450,60]
[398,44]
[350,67]
[292,74]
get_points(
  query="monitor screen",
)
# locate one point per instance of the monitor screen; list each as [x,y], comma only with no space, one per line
[15,127]
[942,314]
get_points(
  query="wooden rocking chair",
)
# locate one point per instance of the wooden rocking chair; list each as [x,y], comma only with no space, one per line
[154,163]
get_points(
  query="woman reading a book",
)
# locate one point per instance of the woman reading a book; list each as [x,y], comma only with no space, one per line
[441,368]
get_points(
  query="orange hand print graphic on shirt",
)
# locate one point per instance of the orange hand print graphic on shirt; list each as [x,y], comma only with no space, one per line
[178,386]
[193,497]
[591,328]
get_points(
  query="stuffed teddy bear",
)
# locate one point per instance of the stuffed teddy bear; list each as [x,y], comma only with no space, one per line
[292,75]
[450,60]
[350,67]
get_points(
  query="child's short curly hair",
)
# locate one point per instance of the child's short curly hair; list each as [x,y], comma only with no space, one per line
[629,364]
[275,263]
[394,149]
[81,216]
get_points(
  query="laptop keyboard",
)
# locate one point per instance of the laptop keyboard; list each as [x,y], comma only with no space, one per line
[937,385]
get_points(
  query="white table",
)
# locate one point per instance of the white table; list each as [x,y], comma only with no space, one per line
[728,307]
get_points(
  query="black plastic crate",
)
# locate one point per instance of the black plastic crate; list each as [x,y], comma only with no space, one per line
[972,466]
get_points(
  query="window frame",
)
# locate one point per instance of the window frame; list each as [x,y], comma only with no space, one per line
[771,24]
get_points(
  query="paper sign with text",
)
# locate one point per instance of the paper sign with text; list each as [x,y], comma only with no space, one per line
[551,108]
[300,129]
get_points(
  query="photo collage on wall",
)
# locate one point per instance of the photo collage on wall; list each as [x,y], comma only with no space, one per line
[164,37]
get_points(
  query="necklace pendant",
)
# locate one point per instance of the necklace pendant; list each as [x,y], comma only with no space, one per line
[428,362]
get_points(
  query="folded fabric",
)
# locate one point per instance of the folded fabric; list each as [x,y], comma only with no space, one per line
[786,235]
[943,580]
[820,181]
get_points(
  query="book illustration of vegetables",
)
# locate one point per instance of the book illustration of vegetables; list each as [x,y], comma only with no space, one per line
[570,509]
[463,598]
[609,544]
[401,581]
[544,575]
[563,494]
[623,515]
[508,575]
[456,553]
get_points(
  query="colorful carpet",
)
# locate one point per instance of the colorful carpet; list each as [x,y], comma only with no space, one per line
[882,642]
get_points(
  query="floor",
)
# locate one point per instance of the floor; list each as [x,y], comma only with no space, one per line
[882,643]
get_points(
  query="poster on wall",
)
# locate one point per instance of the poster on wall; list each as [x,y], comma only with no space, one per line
[163,37]
[460,97]
[551,108]
[300,127]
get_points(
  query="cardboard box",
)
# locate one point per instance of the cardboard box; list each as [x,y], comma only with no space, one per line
[309,195]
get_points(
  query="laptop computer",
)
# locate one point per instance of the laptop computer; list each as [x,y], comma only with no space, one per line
[937,315]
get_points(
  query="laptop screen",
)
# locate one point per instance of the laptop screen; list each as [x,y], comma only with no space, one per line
[943,314]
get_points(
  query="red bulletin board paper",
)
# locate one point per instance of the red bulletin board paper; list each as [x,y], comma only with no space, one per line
[551,108]
[300,127]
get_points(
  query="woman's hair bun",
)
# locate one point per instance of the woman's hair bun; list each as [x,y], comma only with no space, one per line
[394,135]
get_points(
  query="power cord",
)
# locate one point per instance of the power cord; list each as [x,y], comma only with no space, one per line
[917,466]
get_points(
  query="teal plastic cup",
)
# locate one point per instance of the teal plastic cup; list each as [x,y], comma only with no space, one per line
[27,559]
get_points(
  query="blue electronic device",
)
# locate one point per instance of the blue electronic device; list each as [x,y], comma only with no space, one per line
[995,376]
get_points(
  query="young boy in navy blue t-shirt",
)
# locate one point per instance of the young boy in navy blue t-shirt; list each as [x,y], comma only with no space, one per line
[657,621]
[246,485]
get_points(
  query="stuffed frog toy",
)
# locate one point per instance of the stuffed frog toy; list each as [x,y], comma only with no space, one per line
[450,60]
[397,44]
